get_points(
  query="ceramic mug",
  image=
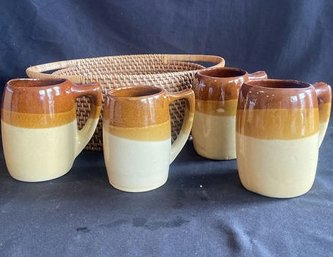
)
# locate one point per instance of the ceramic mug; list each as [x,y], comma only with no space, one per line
[39,128]
[280,126]
[137,136]
[216,92]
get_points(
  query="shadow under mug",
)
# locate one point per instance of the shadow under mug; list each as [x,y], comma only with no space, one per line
[137,136]
[216,93]
[280,127]
[39,127]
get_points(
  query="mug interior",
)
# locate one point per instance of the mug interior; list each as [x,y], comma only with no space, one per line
[287,84]
[35,82]
[138,91]
[223,72]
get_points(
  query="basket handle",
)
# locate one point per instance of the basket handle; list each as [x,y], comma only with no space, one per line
[38,71]
[178,144]
[217,60]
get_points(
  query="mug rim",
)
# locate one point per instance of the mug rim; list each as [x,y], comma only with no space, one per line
[203,73]
[44,83]
[115,91]
[286,82]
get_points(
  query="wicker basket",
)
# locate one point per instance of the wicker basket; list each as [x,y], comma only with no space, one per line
[172,72]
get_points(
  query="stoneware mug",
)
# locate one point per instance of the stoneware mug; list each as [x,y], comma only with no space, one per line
[137,136]
[280,127]
[216,93]
[39,128]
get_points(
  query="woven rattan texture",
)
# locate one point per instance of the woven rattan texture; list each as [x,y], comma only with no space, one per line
[121,71]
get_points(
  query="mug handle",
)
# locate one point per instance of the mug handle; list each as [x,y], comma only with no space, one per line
[258,75]
[93,91]
[178,144]
[324,96]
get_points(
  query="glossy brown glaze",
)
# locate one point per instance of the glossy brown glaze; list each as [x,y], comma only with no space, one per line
[32,120]
[140,112]
[278,123]
[324,95]
[136,107]
[219,84]
[282,94]
[38,96]
[279,109]
[34,103]
[216,90]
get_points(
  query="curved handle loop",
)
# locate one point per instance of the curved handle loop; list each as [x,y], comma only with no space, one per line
[324,95]
[179,143]
[93,91]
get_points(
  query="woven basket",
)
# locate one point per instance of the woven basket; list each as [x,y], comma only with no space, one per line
[172,72]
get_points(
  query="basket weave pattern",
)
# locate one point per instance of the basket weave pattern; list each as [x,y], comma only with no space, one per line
[121,71]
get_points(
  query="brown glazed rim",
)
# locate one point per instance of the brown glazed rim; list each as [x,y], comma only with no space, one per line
[34,83]
[212,73]
[135,92]
[279,84]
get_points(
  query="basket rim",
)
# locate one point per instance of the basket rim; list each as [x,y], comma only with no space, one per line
[38,71]
[119,74]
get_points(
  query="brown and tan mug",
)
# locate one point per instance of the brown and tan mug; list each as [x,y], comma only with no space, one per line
[137,136]
[216,93]
[39,127]
[280,127]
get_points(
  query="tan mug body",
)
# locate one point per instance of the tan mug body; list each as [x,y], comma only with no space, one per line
[280,127]
[216,93]
[39,128]
[137,136]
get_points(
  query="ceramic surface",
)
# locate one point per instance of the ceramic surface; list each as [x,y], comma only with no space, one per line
[280,126]
[137,136]
[39,128]
[216,93]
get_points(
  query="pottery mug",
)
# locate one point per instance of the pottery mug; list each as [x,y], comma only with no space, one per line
[137,136]
[39,127]
[280,127]
[216,93]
